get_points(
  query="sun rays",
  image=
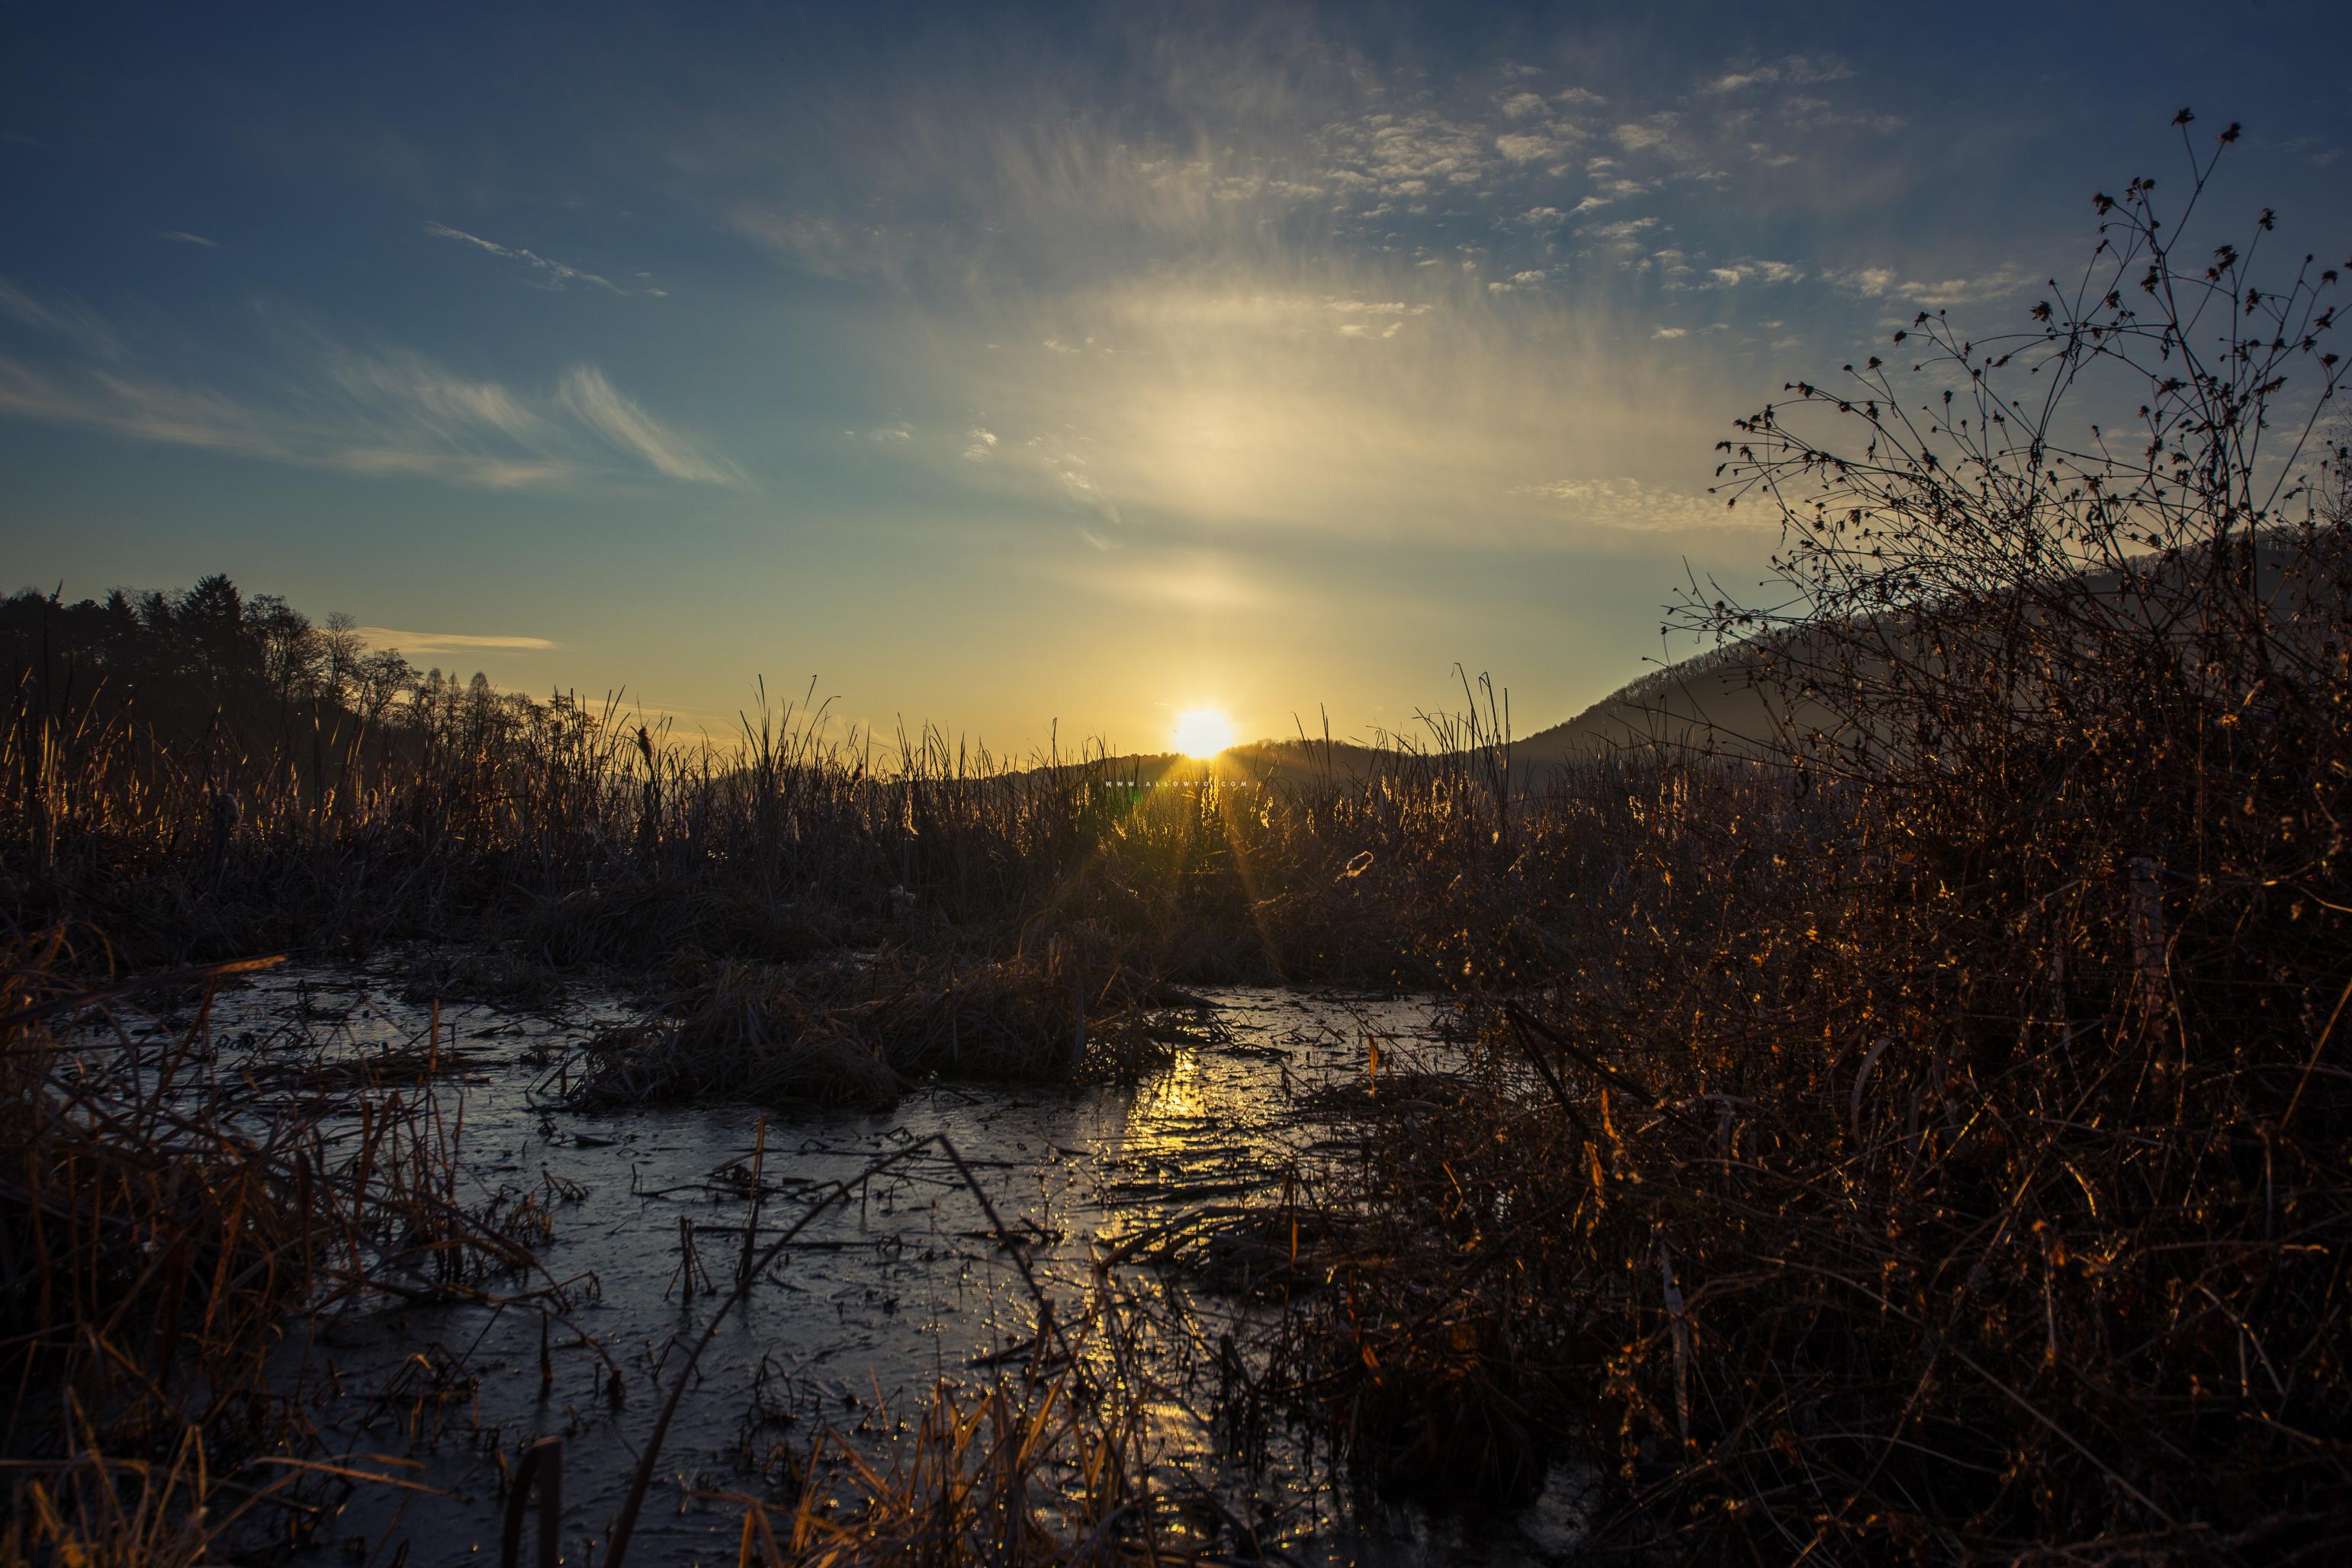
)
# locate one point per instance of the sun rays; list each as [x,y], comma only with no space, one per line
[1202,732]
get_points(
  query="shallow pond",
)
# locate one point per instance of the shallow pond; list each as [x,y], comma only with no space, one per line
[896,1283]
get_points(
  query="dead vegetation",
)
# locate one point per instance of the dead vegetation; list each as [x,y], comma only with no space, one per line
[159,1220]
[541,837]
[1931,1141]
[856,1032]
[1918,1131]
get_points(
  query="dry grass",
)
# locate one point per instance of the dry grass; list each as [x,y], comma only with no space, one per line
[1021,1472]
[1931,1140]
[159,1220]
[856,1032]
[1834,1227]
[545,835]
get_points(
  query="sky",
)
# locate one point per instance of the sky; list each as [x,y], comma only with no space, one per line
[1040,372]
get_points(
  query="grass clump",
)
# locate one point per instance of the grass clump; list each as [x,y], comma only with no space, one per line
[854,1032]
[1021,1471]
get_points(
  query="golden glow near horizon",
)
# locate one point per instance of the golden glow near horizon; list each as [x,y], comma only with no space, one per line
[1202,732]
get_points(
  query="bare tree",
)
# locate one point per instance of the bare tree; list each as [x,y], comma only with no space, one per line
[340,651]
[379,679]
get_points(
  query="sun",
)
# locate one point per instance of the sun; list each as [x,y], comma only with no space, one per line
[1202,732]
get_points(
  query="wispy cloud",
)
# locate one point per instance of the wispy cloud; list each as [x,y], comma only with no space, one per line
[586,393]
[1551,145]
[134,406]
[550,272]
[322,405]
[61,317]
[1407,156]
[1806,113]
[1200,581]
[449,642]
[1626,505]
[1622,229]
[452,407]
[181,236]
[1798,70]
[1657,130]
[1283,290]
[1735,273]
[826,246]
[1934,294]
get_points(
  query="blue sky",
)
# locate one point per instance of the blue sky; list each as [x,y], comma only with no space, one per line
[1035,367]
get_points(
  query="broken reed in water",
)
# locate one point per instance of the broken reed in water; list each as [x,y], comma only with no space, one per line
[178,1214]
[162,1220]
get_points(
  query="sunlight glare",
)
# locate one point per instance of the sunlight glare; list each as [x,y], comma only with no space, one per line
[1202,732]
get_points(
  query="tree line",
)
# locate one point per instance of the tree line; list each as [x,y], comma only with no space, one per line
[211,650]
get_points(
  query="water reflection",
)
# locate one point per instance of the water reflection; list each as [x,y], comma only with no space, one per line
[903,1283]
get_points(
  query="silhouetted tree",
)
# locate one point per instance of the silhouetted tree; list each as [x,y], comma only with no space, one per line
[341,649]
[291,656]
[208,623]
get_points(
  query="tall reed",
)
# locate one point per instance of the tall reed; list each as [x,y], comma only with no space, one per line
[159,1220]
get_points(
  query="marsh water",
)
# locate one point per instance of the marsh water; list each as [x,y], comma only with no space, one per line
[896,1280]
